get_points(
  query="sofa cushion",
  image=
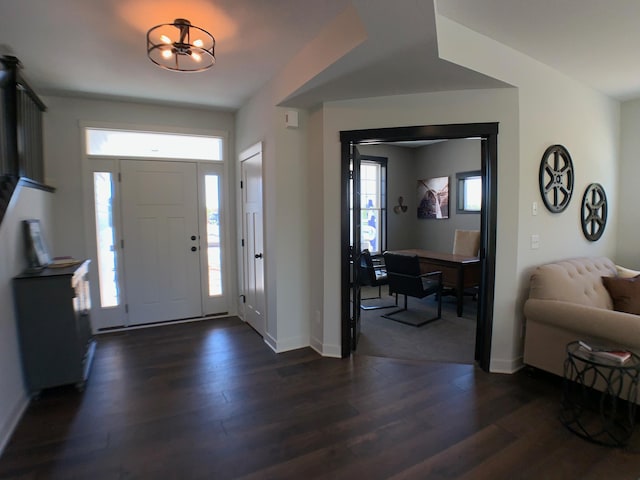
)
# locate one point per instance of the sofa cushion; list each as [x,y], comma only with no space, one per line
[576,280]
[625,293]
[581,322]
[626,272]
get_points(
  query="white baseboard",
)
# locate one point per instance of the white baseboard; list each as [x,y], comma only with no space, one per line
[316,345]
[506,366]
[269,340]
[333,351]
[9,425]
[162,324]
[287,344]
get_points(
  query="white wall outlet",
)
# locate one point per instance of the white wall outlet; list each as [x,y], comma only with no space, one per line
[535,241]
[534,208]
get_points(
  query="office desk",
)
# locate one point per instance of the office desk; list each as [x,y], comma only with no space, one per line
[458,271]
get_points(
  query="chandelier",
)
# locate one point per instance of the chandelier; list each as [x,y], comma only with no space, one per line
[181,47]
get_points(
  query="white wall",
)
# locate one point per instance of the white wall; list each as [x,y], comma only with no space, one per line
[315,154]
[293,223]
[422,109]
[552,109]
[627,251]
[286,217]
[544,108]
[27,203]
[63,159]
[255,123]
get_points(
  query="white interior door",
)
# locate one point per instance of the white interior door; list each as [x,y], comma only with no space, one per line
[253,251]
[161,240]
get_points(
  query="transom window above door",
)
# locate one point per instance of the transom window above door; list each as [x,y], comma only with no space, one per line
[106,142]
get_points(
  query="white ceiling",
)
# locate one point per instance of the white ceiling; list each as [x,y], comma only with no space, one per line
[97,47]
[594,41]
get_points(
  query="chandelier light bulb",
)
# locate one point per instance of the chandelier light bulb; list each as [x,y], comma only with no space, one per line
[170,46]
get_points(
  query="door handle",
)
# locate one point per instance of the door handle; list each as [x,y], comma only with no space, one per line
[258,255]
[193,237]
[193,249]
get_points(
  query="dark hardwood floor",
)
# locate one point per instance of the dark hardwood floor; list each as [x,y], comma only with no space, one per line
[210,400]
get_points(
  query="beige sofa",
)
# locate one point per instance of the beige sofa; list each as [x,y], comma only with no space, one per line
[567,301]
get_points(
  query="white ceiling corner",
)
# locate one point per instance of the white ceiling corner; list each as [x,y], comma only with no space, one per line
[97,48]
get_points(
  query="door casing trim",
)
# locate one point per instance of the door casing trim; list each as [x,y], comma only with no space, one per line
[488,133]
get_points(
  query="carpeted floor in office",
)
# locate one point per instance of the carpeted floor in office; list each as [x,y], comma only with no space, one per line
[449,339]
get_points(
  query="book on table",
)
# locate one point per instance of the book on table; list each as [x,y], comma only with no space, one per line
[62,262]
[614,354]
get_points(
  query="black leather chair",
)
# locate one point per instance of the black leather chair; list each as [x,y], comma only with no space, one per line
[467,243]
[373,274]
[403,273]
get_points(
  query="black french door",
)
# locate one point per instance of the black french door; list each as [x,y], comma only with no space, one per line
[355,245]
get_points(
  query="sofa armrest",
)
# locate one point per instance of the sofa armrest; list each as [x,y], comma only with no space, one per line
[618,327]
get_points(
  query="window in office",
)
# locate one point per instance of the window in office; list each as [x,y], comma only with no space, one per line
[469,192]
[124,143]
[373,212]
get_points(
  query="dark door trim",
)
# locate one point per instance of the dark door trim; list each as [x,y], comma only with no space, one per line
[488,133]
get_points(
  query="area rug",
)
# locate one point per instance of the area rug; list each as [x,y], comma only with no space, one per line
[449,339]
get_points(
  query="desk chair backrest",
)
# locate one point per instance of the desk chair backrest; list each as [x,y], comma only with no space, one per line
[403,272]
[369,274]
[466,242]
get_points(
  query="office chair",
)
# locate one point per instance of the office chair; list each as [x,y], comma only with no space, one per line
[374,274]
[403,272]
[466,242]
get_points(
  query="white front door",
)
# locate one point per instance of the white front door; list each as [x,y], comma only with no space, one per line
[161,247]
[252,230]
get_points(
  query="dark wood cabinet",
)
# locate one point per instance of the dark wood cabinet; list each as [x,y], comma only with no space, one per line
[53,316]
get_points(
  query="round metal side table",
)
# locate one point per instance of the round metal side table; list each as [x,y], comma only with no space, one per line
[599,396]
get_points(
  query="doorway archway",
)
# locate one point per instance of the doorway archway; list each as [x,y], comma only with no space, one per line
[488,134]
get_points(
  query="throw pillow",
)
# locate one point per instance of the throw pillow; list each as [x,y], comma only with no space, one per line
[625,293]
[626,272]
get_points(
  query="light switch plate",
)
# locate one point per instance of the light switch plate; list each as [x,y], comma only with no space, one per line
[535,241]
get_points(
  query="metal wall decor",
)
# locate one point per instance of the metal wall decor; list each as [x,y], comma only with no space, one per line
[594,212]
[400,207]
[556,178]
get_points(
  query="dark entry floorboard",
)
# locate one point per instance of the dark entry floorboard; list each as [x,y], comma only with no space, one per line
[210,400]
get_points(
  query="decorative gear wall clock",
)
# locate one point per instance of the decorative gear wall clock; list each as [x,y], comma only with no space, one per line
[594,212]
[556,178]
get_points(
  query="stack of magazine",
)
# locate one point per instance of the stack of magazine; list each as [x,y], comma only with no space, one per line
[62,262]
[613,354]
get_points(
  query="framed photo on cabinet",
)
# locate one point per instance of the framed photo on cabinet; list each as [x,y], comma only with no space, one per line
[35,246]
